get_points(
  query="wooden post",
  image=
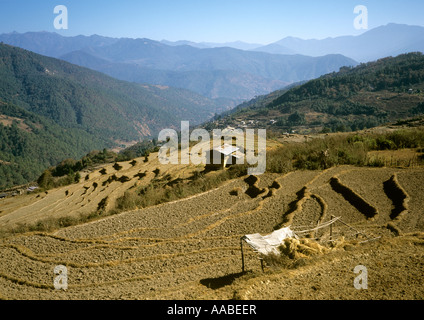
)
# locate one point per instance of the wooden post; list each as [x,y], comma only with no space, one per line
[262,264]
[331,229]
[242,254]
[358,232]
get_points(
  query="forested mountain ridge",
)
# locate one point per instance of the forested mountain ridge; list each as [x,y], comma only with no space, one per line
[73,96]
[52,44]
[51,110]
[353,98]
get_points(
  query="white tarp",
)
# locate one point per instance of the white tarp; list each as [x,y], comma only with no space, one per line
[269,243]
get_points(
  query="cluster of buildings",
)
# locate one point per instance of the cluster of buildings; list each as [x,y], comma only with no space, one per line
[17,192]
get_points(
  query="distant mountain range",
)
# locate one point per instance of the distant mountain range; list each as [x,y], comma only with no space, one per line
[235,71]
[384,41]
[205,45]
[215,73]
[220,72]
[390,40]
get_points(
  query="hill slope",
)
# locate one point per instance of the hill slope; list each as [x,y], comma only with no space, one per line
[31,143]
[190,249]
[353,98]
[66,101]
[78,97]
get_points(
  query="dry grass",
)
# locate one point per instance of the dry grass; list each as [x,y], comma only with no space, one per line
[187,247]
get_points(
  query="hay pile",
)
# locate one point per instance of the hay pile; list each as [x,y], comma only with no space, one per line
[303,248]
[295,249]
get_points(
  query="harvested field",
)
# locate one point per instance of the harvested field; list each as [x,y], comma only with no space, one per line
[190,248]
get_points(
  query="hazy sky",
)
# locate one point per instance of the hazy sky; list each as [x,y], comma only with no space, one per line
[254,21]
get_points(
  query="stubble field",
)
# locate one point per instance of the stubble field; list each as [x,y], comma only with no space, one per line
[190,248]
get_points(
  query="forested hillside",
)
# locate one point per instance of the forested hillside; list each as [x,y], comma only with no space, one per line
[30,143]
[51,110]
[73,96]
[353,98]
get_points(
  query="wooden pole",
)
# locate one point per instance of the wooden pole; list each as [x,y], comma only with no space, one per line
[242,254]
[331,229]
[353,228]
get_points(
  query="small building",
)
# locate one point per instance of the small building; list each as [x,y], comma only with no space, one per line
[31,189]
[222,157]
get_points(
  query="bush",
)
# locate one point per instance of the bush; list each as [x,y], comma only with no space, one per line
[46,181]
[385,144]
[117,166]
[407,138]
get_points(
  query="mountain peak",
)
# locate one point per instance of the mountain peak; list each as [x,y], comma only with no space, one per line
[388,40]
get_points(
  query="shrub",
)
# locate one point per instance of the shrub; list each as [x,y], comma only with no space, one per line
[407,138]
[376,162]
[385,144]
[117,166]
[46,180]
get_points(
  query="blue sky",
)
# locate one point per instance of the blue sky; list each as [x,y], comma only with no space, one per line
[254,21]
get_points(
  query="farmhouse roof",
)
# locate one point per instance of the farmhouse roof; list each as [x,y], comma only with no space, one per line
[226,149]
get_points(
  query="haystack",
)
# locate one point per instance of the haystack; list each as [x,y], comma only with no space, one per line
[301,248]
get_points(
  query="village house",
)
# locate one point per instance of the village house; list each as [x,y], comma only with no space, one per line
[226,154]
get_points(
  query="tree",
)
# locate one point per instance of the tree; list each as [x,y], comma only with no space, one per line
[46,180]
[296,118]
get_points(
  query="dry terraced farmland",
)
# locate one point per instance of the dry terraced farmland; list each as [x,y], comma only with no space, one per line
[190,248]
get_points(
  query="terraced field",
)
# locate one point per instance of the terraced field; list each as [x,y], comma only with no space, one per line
[190,249]
[100,187]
